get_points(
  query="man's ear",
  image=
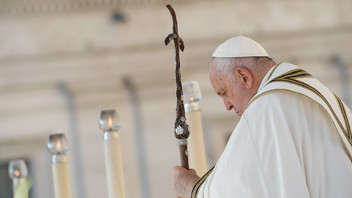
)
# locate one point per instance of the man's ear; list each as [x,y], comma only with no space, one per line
[244,77]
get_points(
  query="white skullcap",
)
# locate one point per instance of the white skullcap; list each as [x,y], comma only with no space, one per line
[240,46]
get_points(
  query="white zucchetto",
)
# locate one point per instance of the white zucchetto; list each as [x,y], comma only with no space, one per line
[240,46]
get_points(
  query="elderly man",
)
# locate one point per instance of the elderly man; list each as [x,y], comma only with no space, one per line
[293,138]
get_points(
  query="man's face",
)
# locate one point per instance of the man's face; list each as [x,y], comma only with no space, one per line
[229,89]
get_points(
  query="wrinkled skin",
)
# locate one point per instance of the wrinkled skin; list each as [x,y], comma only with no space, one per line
[184,180]
[236,89]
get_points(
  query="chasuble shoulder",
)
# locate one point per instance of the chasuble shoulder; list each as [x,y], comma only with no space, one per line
[290,142]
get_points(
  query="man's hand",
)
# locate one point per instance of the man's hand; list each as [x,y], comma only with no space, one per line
[184,180]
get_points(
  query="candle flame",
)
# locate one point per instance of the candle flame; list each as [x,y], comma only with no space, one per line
[17,173]
[58,146]
[110,122]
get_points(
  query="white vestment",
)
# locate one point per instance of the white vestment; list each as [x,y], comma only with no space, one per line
[287,143]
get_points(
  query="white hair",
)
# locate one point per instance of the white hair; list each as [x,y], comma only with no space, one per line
[254,64]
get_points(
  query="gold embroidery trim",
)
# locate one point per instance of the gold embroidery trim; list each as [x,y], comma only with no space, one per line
[291,76]
[276,66]
[199,183]
[274,90]
[312,89]
[301,74]
[345,118]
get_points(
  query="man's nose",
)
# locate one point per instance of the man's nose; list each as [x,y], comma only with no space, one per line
[228,105]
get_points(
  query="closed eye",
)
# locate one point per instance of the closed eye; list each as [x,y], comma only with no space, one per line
[222,92]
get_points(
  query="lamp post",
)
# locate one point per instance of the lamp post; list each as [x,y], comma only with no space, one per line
[192,96]
[18,173]
[109,123]
[58,146]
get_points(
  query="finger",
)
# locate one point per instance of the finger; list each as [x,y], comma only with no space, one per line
[193,171]
[179,169]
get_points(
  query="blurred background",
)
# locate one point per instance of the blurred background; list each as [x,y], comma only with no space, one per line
[62,61]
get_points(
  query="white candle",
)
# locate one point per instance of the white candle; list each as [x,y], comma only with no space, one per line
[192,96]
[109,122]
[58,146]
[18,173]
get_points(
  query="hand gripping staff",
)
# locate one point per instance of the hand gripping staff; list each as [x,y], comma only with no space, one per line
[181,127]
